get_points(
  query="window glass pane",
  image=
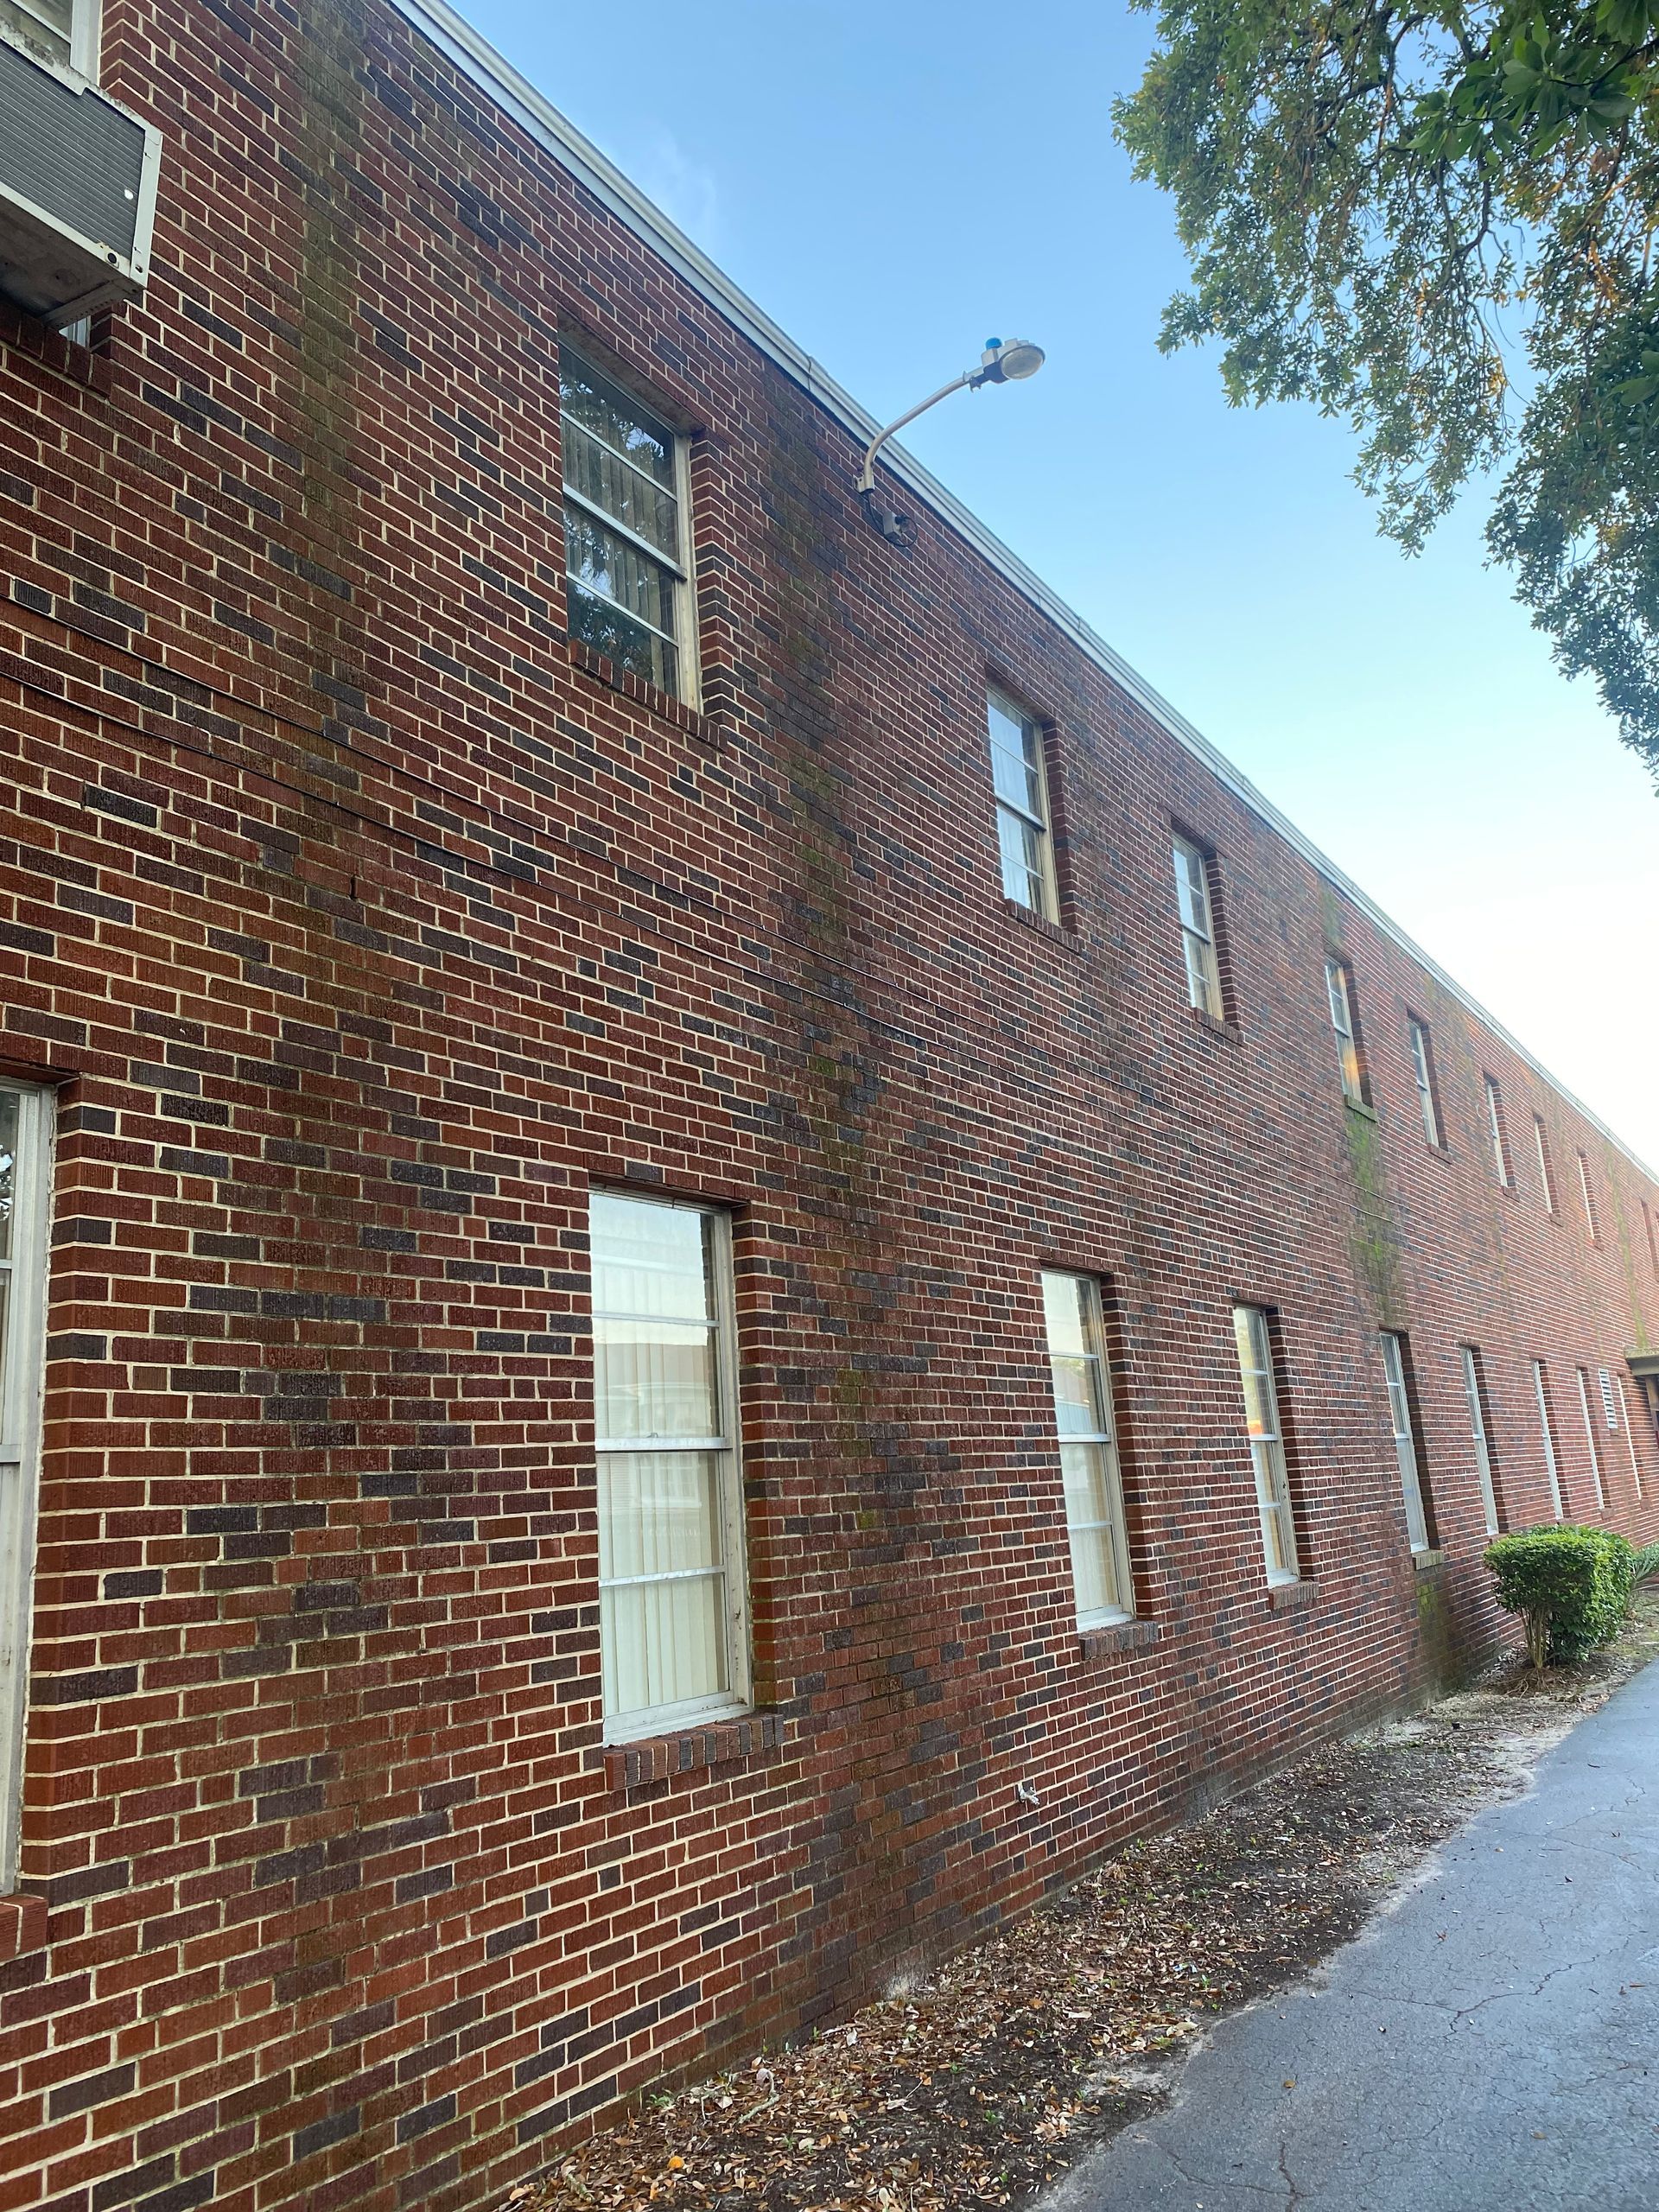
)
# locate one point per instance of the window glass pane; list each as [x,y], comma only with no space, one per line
[649,1259]
[599,407]
[1065,1315]
[1021,849]
[662,1643]
[1089,1512]
[615,484]
[42,23]
[1550,1466]
[595,622]
[658,1513]
[607,565]
[1272,1476]
[654,1378]
[1191,890]
[1018,780]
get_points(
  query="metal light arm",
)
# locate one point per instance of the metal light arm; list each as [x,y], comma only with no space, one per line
[867,478]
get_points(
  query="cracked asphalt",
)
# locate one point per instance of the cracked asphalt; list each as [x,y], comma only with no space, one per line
[1491,2040]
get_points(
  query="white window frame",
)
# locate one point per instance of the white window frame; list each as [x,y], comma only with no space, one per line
[1195,905]
[1422,1066]
[635,1726]
[1109,1536]
[1551,1465]
[1590,1439]
[1630,1440]
[19,1442]
[1405,1443]
[687,687]
[1495,1127]
[1590,1221]
[84,26]
[1032,728]
[1473,1380]
[1253,1333]
[1546,1165]
[1339,993]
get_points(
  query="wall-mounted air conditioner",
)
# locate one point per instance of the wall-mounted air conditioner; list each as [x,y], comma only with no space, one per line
[77,190]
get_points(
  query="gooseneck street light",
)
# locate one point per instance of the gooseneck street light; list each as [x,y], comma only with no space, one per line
[1009,361]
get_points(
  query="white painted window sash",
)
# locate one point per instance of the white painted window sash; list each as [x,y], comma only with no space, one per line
[19,1442]
[1630,1441]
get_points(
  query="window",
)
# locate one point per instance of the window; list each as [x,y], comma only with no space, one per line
[1495,1129]
[1195,905]
[1422,1066]
[1404,1444]
[1254,1339]
[1589,1203]
[673,1616]
[1551,1466]
[1653,1243]
[1589,1438]
[623,529]
[1546,1165]
[65,31]
[1339,986]
[1630,1440]
[1020,777]
[1083,1415]
[1473,1386]
[1609,1403]
[25,1176]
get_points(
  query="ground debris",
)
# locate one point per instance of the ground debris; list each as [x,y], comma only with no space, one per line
[981,2083]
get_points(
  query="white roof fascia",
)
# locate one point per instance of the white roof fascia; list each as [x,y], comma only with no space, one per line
[541,122]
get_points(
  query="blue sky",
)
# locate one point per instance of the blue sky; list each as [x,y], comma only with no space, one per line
[895,182]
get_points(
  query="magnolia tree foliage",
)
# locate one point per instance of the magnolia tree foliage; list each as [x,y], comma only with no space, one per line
[1439,222]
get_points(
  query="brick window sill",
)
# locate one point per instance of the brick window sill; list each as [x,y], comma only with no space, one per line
[22,1926]
[1115,1636]
[1213,1028]
[626,685]
[1292,1597]
[691,1751]
[1040,926]
[1358,1106]
[1425,1562]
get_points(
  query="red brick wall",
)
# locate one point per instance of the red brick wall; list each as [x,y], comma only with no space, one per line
[361,928]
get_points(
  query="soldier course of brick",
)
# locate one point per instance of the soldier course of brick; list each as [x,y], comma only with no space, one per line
[361,923]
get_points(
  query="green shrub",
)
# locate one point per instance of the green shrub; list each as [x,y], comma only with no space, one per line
[1572,1587]
[1644,1562]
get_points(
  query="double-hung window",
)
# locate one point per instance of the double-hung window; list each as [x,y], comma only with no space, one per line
[1089,1468]
[65,31]
[1404,1444]
[1423,1067]
[1197,910]
[1254,1340]
[624,505]
[1551,1465]
[1630,1441]
[1340,990]
[25,1177]
[1473,1382]
[673,1606]
[1590,1439]
[1494,1131]
[1024,831]
[1546,1165]
[1584,1192]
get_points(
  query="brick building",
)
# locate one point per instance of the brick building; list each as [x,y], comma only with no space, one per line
[599,1064]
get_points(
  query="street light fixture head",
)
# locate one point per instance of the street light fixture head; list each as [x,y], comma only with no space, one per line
[1010,362]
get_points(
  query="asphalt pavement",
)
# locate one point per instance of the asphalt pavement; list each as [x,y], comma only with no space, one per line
[1490,2042]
